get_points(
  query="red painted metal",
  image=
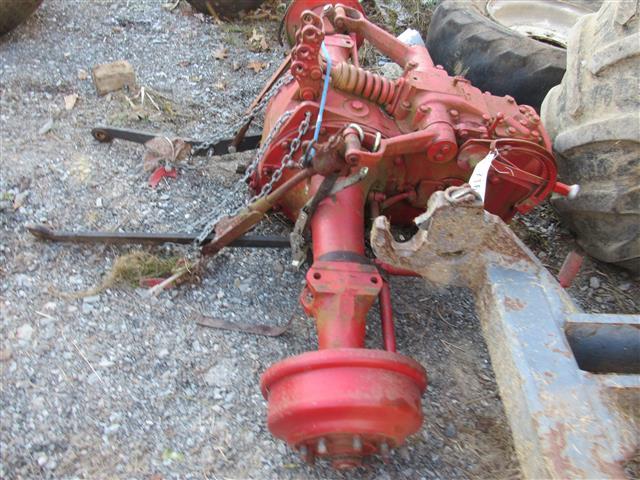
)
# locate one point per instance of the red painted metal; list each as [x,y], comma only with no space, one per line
[386,316]
[344,403]
[416,135]
[570,268]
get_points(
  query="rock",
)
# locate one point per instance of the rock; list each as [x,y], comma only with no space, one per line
[625,286]
[391,70]
[594,282]
[5,354]
[450,431]
[48,125]
[42,459]
[162,353]
[25,333]
[91,299]
[110,77]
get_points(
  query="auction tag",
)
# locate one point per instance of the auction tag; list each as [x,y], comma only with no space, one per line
[478,179]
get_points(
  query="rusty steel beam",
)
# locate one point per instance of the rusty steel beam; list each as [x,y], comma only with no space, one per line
[569,380]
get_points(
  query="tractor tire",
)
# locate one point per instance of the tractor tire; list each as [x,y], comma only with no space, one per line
[524,59]
[592,117]
[14,12]
[224,8]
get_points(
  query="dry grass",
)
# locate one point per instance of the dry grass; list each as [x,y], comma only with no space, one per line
[131,268]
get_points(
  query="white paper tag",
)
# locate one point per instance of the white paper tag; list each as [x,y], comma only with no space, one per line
[478,179]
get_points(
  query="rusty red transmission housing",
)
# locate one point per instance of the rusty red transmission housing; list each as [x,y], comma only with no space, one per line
[416,134]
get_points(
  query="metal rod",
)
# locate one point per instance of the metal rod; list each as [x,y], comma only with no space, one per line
[386,316]
[397,271]
[247,241]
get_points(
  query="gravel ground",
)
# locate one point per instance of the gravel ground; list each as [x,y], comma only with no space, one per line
[117,385]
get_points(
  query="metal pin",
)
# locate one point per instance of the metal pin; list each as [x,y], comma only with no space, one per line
[322,446]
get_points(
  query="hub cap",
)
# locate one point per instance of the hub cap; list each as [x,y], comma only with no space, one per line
[547,21]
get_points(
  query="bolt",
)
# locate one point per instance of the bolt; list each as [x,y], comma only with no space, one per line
[357,105]
[510,99]
[357,443]
[322,446]
[411,65]
[446,148]
[439,67]
[316,74]
[439,157]
[464,133]
[511,130]
[454,112]
[535,119]
[523,109]
[406,104]
[307,95]
[486,117]
[425,108]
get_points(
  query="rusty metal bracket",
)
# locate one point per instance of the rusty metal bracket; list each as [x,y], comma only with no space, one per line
[569,381]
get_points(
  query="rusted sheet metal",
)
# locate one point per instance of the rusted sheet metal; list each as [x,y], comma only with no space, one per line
[566,422]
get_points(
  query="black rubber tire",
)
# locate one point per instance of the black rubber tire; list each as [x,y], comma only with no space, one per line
[592,117]
[466,41]
[14,12]
[225,8]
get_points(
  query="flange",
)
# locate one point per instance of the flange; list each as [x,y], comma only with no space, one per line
[344,404]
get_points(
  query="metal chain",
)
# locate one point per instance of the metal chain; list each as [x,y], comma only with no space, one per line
[231,131]
[287,160]
[212,219]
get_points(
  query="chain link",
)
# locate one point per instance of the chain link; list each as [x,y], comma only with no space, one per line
[218,212]
[287,160]
[233,129]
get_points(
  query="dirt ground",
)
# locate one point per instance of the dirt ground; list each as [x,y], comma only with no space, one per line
[118,385]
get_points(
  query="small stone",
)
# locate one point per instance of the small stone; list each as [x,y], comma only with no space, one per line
[625,286]
[594,282]
[278,268]
[99,202]
[91,299]
[391,70]
[162,353]
[110,77]
[48,125]
[5,354]
[42,459]
[106,363]
[450,431]
[24,333]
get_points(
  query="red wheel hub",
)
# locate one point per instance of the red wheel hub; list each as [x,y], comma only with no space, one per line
[344,403]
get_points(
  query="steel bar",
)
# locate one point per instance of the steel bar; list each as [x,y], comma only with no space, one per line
[107,134]
[557,368]
[246,241]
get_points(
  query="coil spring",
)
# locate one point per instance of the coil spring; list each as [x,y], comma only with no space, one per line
[352,79]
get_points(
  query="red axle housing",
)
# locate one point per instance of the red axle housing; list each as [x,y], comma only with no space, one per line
[417,134]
